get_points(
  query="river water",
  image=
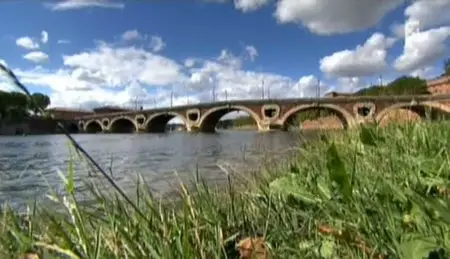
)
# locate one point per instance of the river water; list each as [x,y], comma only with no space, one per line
[29,164]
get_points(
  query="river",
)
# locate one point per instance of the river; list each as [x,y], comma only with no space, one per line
[29,164]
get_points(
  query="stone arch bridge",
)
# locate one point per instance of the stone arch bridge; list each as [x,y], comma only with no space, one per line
[268,114]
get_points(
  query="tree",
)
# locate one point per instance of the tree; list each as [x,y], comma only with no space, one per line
[42,101]
[15,106]
[404,85]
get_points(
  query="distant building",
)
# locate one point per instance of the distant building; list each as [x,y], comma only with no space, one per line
[60,113]
[439,85]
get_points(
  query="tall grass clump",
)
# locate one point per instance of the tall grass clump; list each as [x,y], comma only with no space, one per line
[369,193]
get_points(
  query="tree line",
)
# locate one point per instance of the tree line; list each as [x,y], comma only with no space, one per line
[446,68]
[17,107]
[404,85]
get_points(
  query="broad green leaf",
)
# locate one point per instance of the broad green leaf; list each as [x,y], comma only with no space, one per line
[337,172]
[323,188]
[327,249]
[418,248]
[288,186]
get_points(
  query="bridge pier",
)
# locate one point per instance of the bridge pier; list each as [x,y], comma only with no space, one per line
[141,130]
[263,126]
[269,125]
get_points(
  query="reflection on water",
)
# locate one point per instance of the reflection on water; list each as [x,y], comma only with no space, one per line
[29,164]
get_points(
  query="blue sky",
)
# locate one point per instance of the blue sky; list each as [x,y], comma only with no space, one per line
[111,52]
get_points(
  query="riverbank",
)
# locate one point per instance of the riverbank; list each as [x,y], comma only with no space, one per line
[35,126]
[372,193]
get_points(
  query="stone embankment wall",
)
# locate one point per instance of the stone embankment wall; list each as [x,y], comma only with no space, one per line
[32,126]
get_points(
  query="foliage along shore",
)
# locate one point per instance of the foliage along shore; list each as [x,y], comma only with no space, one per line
[368,193]
[17,107]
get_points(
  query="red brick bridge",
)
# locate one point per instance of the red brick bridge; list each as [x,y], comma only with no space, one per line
[268,114]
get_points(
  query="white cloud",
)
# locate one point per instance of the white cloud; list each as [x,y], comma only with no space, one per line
[44,37]
[116,67]
[105,75]
[427,72]
[116,76]
[190,62]
[131,35]
[76,89]
[233,82]
[60,80]
[365,60]
[398,30]
[309,86]
[63,41]
[249,5]
[429,13]
[27,43]
[65,5]
[422,49]
[36,57]
[157,44]
[228,58]
[423,45]
[423,15]
[349,84]
[251,52]
[338,16]
[5,85]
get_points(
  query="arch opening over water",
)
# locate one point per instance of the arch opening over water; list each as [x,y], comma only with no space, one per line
[93,127]
[407,113]
[165,122]
[315,117]
[226,118]
[123,125]
[72,128]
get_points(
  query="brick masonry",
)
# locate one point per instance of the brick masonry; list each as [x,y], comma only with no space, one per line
[439,86]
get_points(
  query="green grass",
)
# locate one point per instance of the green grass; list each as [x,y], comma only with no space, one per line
[383,189]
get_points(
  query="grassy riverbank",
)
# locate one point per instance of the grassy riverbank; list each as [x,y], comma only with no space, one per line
[373,193]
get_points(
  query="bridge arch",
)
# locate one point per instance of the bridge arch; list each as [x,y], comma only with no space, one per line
[421,109]
[93,126]
[210,118]
[344,116]
[123,124]
[72,127]
[157,123]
